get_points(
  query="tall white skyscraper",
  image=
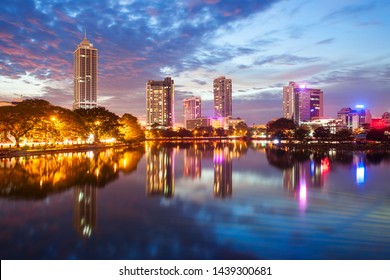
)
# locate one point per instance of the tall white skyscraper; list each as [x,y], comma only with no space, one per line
[192,108]
[301,103]
[85,75]
[222,97]
[160,102]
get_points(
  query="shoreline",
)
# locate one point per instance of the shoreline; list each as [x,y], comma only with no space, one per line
[13,152]
[346,146]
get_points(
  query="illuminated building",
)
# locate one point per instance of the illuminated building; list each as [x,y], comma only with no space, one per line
[84,209]
[199,122]
[219,122]
[223,171]
[301,103]
[160,166]
[192,109]
[85,75]
[160,102]
[355,119]
[378,123]
[386,118]
[222,97]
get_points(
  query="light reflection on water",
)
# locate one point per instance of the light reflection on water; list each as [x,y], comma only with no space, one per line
[233,200]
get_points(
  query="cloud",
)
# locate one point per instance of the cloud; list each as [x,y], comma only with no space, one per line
[351,11]
[199,82]
[285,59]
[325,42]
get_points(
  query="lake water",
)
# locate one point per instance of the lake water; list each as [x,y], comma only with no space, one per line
[232,200]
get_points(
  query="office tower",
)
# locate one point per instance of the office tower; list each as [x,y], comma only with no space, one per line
[160,102]
[192,109]
[301,103]
[222,97]
[85,75]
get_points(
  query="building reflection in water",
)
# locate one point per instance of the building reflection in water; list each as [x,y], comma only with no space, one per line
[311,172]
[84,210]
[359,162]
[160,166]
[192,162]
[223,172]
[301,171]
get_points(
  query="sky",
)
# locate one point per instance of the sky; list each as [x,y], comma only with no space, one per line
[341,47]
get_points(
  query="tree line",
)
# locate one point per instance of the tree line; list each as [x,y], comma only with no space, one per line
[36,120]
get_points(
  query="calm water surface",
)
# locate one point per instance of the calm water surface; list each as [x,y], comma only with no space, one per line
[231,200]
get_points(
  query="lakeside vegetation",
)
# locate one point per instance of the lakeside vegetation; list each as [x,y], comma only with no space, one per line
[35,125]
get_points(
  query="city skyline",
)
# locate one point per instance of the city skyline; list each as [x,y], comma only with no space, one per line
[338,47]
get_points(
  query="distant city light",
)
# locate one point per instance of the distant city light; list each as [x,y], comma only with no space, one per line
[360,106]
[302,86]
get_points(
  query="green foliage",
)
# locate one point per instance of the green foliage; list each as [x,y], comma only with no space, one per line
[281,124]
[130,129]
[376,135]
[301,133]
[21,119]
[344,134]
[321,133]
[37,120]
[100,122]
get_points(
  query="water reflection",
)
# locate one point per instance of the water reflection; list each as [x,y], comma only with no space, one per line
[161,159]
[223,172]
[84,210]
[286,204]
[160,170]
[37,177]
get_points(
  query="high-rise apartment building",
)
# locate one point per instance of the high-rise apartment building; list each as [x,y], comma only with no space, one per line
[192,109]
[301,103]
[160,102]
[85,75]
[222,97]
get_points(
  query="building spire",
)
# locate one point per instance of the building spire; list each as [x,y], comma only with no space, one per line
[85,34]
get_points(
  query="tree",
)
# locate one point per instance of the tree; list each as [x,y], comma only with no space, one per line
[301,133]
[130,129]
[376,135]
[282,124]
[344,134]
[220,132]
[21,119]
[70,124]
[321,133]
[241,129]
[100,122]
[184,133]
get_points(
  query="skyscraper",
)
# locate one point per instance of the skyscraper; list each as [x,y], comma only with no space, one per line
[192,108]
[301,103]
[85,75]
[160,102]
[222,97]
